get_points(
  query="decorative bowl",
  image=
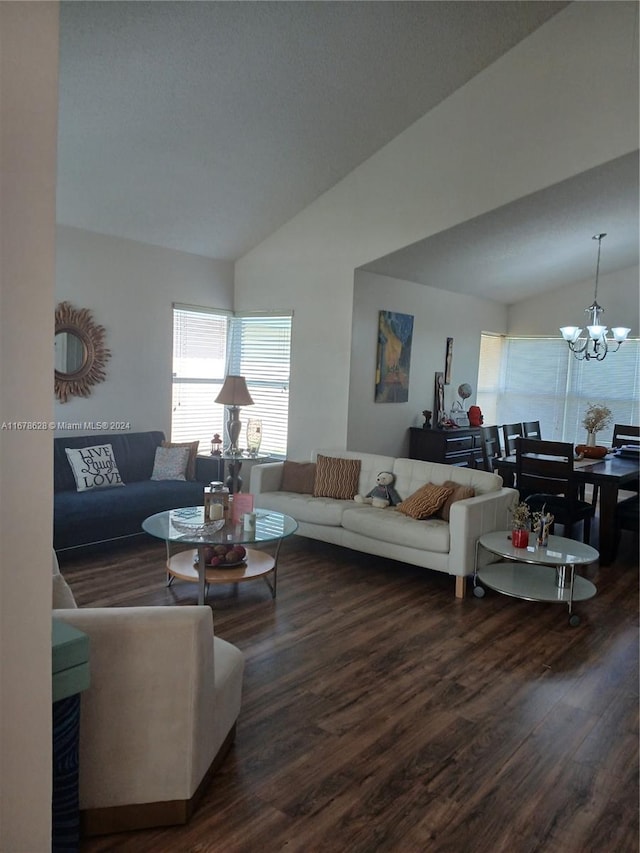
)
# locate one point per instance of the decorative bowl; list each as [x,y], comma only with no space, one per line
[593,451]
[198,529]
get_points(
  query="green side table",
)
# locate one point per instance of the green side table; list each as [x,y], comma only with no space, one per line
[70,676]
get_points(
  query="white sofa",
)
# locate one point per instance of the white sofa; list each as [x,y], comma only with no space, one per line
[433,544]
[160,712]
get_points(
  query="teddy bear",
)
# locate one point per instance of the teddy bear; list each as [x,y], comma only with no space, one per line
[383,494]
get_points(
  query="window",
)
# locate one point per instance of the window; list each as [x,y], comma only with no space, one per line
[540,379]
[207,345]
[260,350]
[199,360]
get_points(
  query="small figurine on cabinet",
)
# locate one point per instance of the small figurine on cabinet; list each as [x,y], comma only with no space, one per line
[216,444]
[427,419]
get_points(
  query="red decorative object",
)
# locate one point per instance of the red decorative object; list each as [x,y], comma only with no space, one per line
[475,416]
[520,538]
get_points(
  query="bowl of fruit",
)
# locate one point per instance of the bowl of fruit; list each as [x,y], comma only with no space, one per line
[223,556]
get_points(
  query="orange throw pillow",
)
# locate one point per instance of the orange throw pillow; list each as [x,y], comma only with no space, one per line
[426,501]
[459,493]
[298,477]
[336,477]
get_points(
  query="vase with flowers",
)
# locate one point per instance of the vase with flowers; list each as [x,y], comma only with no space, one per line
[596,418]
[541,524]
[520,525]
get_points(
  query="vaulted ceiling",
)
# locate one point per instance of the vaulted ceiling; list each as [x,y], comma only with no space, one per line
[205,126]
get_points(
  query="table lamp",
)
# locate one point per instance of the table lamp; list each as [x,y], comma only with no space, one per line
[234,394]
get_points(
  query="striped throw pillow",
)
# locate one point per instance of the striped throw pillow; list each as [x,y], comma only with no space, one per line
[336,477]
[426,501]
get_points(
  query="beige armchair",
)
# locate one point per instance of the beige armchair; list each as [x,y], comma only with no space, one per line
[159,715]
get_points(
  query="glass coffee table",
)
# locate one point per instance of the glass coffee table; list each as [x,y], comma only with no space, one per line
[186,526]
[537,572]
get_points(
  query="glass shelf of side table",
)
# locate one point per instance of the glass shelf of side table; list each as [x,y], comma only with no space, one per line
[536,573]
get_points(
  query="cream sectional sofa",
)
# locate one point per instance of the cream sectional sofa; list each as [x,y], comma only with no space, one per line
[433,544]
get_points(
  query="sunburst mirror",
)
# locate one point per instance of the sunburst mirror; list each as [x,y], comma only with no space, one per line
[79,352]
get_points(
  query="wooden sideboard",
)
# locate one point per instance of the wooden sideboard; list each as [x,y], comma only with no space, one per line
[451,446]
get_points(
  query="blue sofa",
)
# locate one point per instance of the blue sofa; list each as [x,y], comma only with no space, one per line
[101,515]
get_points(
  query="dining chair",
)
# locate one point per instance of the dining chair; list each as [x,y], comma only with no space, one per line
[545,478]
[490,444]
[510,433]
[531,429]
[627,434]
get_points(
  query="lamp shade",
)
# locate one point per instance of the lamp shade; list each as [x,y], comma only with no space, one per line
[234,392]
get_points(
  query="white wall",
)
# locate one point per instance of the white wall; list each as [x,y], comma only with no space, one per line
[618,293]
[28,117]
[438,314]
[523,124]
[129,288]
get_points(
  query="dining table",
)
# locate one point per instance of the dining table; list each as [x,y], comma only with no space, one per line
[609,474]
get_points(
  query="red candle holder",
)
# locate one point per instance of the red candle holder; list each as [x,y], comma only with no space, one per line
[520,538]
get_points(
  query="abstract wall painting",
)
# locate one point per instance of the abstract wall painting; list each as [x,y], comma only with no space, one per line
[395,333]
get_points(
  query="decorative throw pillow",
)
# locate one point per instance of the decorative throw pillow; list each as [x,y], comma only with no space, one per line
[459,493]
[299,477]
[192,447]
[170,463]
[426,501]
[336,477]
[94,467]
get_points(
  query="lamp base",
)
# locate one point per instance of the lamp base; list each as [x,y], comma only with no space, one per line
[234,425]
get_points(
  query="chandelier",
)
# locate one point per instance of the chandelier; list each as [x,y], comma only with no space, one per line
[596,344]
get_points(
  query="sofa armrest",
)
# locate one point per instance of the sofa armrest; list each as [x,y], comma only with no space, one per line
[147,717]
[266,477]
[470,518]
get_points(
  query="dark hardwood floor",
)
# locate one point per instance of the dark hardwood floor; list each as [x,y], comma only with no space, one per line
[382,714]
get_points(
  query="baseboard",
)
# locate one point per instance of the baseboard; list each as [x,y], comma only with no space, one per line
[104,821]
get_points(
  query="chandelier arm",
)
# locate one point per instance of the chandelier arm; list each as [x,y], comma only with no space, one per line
[577,350]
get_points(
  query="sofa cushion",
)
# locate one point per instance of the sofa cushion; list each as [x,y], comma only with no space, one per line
[324,511]
[80,518]
[459,493]
[298,477]
[192,447]
[390,526]
[94,467]
[426,501]
[170,463]
[336,477]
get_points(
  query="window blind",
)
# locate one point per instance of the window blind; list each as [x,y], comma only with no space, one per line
[199,359]
[260,350]
[540,379]
[208,345]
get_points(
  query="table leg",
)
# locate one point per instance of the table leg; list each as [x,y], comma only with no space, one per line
[202,574]
[607,544]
